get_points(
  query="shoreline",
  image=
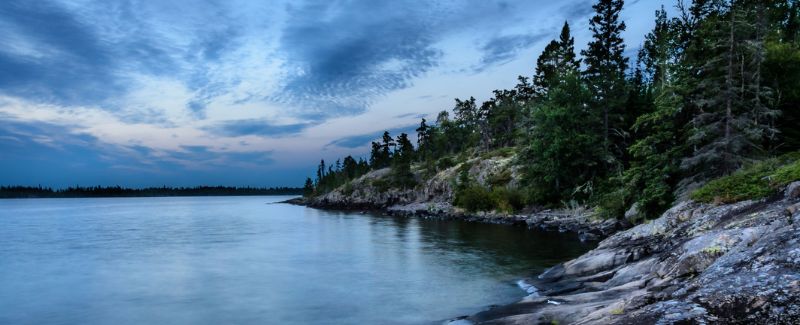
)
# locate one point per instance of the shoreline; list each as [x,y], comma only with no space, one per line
[697,263]
[587,228]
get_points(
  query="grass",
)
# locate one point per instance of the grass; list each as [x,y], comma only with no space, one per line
[755,181]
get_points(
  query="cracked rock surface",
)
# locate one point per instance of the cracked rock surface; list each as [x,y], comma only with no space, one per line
[696,264]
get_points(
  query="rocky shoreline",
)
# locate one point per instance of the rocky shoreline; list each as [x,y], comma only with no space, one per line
[584,225]
[696,264]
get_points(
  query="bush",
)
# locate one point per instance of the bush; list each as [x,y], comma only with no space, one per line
[611,205]
[381,185]
[508,201]
[756,181]
[445,163]
[500,179]
[474,198]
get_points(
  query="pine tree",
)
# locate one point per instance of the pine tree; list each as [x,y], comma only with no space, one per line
[605,73]
[308,188]
[563,152]
[651,179]
[556,61]
[733,119]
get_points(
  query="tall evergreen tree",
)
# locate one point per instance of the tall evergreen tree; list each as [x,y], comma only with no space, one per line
[563,153]
[654,172]
[556,61]
[308,188]
[732,119]
[605,73]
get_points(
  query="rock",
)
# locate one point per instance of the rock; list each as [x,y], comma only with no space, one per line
[793,191]
[632,215]
[697,263]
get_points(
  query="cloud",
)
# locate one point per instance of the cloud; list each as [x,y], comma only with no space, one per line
[578,9]
[257,127]
[503,49]
[360,140]
[343,59]
[48,53]
[46,153]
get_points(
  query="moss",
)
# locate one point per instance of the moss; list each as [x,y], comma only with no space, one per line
[617,311]
[713,250]
[756,181]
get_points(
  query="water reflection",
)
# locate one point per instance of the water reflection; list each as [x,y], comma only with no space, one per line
[240,260]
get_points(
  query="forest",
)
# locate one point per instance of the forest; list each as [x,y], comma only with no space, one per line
[713,92]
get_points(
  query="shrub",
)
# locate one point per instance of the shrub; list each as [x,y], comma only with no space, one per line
[756,181]
[381,185]
[474,198]
[347,190]
[507,200]
[445,163]
[500,179]
[611,204]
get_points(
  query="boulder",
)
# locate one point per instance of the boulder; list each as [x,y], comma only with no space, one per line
[793,191]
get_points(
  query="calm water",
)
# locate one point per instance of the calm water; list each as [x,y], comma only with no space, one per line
[240,260]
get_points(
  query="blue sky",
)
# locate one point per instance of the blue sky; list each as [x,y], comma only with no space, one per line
[249,93]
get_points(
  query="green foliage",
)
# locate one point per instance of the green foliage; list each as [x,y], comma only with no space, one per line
[500,179]
[503,152]
[308,188]
[382,185]
[507,200]
[565,149]
[347,189]
[611,203]
[445,163]
[701,102]
[474,198]
[756,181]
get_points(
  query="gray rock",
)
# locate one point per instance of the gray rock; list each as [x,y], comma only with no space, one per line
[793,191]
[699,264]
[633,214]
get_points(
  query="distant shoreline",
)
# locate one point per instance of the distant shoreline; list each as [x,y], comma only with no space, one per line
[24,192]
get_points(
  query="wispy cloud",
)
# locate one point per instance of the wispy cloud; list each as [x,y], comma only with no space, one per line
[258,127]
[168,87]
[505,48]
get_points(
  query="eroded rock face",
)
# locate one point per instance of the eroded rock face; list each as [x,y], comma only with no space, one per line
[697,264]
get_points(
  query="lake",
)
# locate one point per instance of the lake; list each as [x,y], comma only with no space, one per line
[250,260]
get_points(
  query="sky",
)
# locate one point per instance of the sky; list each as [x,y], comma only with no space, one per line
[250,92]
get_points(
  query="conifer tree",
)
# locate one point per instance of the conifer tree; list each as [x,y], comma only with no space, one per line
[650,181]
[556,61]
[732,119]
[605,73]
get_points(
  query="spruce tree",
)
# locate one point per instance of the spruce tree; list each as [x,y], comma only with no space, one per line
[650,181]
[556,61]
[563,153]
[605,73]
[733,118]
[308,188]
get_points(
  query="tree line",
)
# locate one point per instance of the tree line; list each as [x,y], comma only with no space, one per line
[711,90]
[117,191]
